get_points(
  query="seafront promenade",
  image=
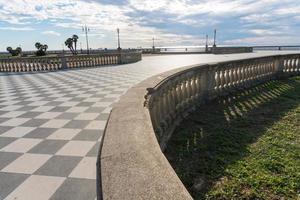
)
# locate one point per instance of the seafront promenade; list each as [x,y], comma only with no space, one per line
[51,123]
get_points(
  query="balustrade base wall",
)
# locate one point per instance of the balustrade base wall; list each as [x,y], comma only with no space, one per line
[176,96]
[54,63]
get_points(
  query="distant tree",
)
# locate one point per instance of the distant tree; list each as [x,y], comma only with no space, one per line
[14,52]
[69,44]
[75,39]
[19,50]
[41,49]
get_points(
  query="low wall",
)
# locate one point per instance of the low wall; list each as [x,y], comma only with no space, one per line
[52,63]
[231,50]
[131,164]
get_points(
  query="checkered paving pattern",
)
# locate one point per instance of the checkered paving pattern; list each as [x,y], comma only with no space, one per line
[51,125]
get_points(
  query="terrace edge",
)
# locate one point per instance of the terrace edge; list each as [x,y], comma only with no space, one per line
[131,164]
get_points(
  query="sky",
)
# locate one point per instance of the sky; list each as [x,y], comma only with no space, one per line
[170,22]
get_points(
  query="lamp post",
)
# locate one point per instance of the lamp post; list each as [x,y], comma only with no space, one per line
[206,44]
[153,46]
[119,46]
[215,36]
[85,29]
[80,47]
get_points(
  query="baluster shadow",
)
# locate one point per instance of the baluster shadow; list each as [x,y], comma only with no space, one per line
[219,133]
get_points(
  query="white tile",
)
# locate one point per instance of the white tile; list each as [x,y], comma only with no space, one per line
[15,122]
[112,95]
[55,123]
[56,95]
[64,134]
[11,107]
[102,104]
[21,145]
[84,95]
[87,116]
[92,100]
[63,99]
[48,115]
[69,103]
[27,163]
[96,125]
[18,131]
[30,95]
[77,109]
[77,92]
[36,188]
[13,114]
[102,92]
[35,99]
[42,108]
[107,110]
[76,148]
[85,169]
[38,103]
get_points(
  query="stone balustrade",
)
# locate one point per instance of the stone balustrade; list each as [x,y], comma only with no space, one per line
[131,164]
[173,97]
[53,63]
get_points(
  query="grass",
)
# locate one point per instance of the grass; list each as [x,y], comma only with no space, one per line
[246,146]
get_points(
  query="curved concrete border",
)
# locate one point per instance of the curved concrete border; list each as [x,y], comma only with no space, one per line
[131,164]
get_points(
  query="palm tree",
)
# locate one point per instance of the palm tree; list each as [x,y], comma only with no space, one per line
[69,44]
[75,39]
[19,50]
[41,49]
[9,49]
[38,45]
[45,47]
[14,52]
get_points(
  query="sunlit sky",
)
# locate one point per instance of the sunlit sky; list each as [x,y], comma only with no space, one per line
[170,22]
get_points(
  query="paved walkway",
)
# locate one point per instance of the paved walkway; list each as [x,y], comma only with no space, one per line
[51,125]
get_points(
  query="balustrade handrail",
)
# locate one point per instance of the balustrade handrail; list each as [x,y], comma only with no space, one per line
[50,63]
[131,164]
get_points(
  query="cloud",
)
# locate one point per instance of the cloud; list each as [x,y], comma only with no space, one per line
[10,28]
[264,40]
[172,22]
[51,33]
[264,32]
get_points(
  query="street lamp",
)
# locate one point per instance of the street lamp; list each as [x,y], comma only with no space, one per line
[85,29]
[80,47]
[119,47]
[215,36]
[153,46]
[206,44]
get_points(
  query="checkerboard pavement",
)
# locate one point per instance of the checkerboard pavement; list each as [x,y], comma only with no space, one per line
[51,125]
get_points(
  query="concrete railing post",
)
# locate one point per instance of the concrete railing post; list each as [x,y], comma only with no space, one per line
[208,83]
[120,59]
[279,67]
[63,62]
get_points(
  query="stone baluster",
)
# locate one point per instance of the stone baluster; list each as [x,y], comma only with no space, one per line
[198,85]
[279,66]
[217,79]
[174,99]
[294,68]
[180,94]
[297,64]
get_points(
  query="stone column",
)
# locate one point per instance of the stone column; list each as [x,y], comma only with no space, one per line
[63,61]
[208,83]
[279,67]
